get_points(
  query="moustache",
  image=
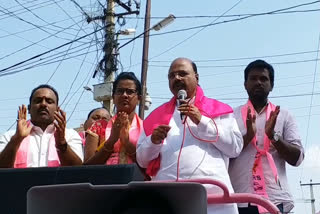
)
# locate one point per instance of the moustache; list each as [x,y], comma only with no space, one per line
[43,109]
[179,85]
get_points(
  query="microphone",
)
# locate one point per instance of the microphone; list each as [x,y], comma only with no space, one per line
[182,95]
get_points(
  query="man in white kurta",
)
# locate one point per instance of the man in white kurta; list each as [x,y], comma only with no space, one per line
[44,139]
[198,159]
[269,131]
[39,144]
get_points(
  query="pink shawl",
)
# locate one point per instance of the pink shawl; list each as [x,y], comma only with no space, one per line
[259,184]
[163,114]
[22,155]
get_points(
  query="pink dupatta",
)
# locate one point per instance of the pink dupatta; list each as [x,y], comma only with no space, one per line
[134,134]
[163,114]
[22,155]
[259,184]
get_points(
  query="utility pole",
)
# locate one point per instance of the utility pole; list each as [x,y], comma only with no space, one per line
[145,56]
[312,199]
[108,65]
[109,50]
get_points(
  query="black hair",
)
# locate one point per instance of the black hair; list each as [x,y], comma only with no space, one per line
[44,86]
[127,76]
[261,64]
[95,110]
[194,66]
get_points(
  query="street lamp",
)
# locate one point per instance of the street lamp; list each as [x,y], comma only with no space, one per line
[163,23]
[144,68]
[87,88]
[145,53]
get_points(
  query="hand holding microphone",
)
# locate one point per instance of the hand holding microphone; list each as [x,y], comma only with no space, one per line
[182,95]
[187,109]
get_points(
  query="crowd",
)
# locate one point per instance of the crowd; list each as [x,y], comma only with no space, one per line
[246,148]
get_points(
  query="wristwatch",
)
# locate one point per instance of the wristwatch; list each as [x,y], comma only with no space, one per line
[276,136]
[62,147]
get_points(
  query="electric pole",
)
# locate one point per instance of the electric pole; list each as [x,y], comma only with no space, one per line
[312,199]
[145,56]
[109,50]
[108,65]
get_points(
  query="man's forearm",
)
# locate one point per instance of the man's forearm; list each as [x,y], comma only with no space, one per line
[289,152]
[246,141]
[69,157]
[8,155]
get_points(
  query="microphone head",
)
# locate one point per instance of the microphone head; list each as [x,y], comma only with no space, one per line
[182,94]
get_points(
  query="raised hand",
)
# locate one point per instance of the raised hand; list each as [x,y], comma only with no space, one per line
[125,127]
[271,122]
[60,124]
[191,111]
[98,130]
[122,121]
[160,133]
[23,128]
[251,125]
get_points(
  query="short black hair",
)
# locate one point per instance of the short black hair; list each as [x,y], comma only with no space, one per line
[44,86]
[261,64]
[194,66]
[95,110]
[127,76]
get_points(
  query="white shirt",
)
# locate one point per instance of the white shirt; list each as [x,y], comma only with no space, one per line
[198,159]
[240,169]
[39,144]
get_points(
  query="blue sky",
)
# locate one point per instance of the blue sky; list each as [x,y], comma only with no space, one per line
[288,41]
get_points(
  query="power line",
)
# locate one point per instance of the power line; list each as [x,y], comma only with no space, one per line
[32,44]
[311,101]
[194,34]
[82,10]
[64,56]
[28,22]
[42,4]
[34,14]
[244,65]
[245,98]
[44,63]
[228,16]
[46,52]
[46,60]
[42,26]
[65,12]
[76,76]
[245,58]
[202,27]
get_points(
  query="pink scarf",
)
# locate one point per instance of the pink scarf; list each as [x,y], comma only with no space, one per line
[259,184]
[134,134]
[163,114]
[82,134]
[22,155]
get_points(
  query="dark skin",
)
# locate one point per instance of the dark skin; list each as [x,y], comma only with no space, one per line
[8,155]
[125,103]
[43,110]
[66,155]
[258,86]
[99,114]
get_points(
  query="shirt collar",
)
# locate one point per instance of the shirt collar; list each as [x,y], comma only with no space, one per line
[37,129]
[263,109]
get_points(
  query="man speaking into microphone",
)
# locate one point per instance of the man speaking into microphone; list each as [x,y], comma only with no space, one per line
[190,137]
